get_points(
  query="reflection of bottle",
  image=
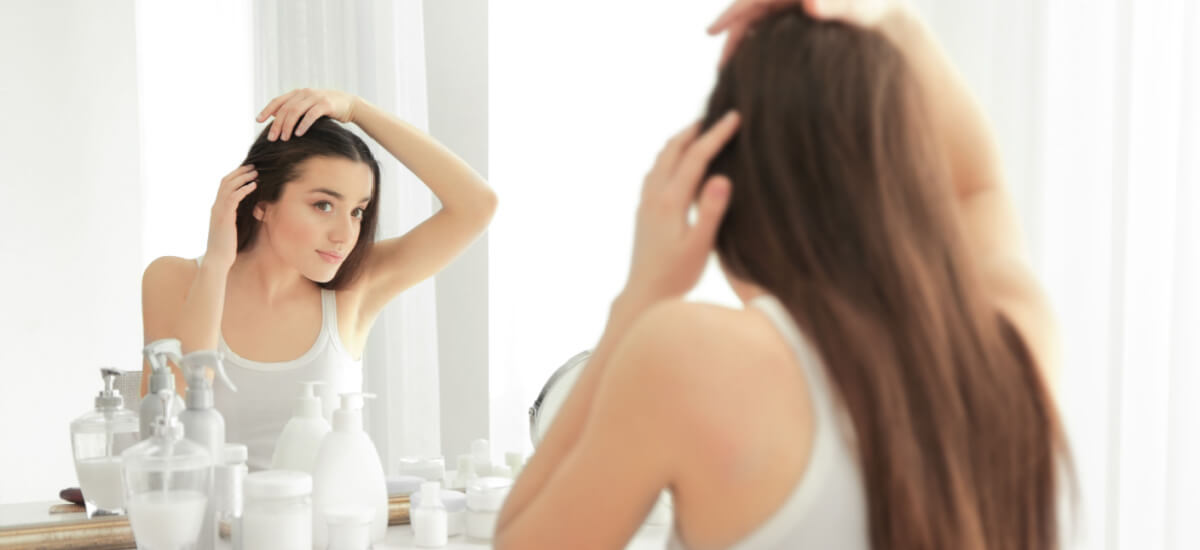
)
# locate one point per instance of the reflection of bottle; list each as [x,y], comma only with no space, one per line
[158,353]
[167,481]
[229,476]
[97,440]
[481,457]
[348,473]
[429,519]
[300,440]
[202,423]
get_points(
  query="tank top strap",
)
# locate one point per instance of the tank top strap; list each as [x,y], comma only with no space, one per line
[329,311]
[329,317]
[806,354]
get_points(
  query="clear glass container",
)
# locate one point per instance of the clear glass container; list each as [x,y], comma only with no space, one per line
[167,482]
[97,440]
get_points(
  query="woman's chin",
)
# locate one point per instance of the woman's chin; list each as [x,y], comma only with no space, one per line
[319,275]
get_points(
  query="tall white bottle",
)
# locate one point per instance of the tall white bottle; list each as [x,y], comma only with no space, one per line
[348,473]
[204,425]
[301,438]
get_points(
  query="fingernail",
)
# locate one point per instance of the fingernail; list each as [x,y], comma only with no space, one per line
[731,115]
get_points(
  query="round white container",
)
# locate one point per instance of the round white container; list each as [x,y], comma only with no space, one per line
[350,528]
[481,525]
[456,510]
[487,494]
[278,510]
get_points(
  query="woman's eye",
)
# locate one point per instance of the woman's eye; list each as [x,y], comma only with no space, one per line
[358,212]
[321,206]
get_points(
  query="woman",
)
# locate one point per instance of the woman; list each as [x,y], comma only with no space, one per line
[885,385]
[293,279]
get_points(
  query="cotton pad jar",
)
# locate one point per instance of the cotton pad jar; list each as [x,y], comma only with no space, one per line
[277,512]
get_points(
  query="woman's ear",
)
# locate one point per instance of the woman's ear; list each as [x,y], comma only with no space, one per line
[259,211]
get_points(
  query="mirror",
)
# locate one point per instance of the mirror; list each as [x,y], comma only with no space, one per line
[129,115]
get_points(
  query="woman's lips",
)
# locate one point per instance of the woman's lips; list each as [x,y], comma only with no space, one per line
[330,257]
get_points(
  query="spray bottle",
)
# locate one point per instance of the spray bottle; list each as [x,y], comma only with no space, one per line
[157,353]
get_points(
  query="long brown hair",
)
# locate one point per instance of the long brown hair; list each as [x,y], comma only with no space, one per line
[842,208]
[279,162]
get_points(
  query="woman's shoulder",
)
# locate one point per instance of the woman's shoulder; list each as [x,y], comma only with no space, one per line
[710,346]
[168,272]
[712,327]
[710,367]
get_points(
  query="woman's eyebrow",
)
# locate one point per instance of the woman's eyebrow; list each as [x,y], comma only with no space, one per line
[337,195]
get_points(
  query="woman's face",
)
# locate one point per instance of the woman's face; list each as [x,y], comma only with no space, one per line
[316,221]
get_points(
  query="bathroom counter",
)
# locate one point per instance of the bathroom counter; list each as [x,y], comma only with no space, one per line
[32,525]
[400,537]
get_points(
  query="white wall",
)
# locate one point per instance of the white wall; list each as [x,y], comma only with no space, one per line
[582,101]
[456,64]
[71,250]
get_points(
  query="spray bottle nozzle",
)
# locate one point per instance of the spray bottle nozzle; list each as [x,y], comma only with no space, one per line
[158,351]
[195,363]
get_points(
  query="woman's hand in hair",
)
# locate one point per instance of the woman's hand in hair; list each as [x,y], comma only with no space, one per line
[669,254]
[310,104]
[738,17]
[222,227]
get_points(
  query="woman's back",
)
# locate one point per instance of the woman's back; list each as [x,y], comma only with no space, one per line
[781,470]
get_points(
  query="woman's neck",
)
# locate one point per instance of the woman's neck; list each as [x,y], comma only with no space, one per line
[259,272]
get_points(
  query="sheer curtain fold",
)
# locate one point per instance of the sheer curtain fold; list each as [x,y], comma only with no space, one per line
[374,49]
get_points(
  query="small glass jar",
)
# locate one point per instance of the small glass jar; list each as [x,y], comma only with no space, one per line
[278,510]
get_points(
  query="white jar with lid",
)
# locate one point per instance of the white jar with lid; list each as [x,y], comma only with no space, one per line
[277,512]
[349,528]
[485,497]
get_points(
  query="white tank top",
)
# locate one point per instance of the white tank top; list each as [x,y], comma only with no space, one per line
[267,391]
[827,508]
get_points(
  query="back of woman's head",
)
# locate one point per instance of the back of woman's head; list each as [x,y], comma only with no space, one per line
[842,208]
[280,162]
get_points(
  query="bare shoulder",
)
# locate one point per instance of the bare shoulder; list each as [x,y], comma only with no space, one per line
[169,272]
[708,358]
[165,285]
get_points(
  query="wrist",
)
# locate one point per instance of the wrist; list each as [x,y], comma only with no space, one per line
[358,106]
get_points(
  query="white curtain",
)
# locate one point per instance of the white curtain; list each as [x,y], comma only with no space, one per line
[374,49]
[1096,107]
